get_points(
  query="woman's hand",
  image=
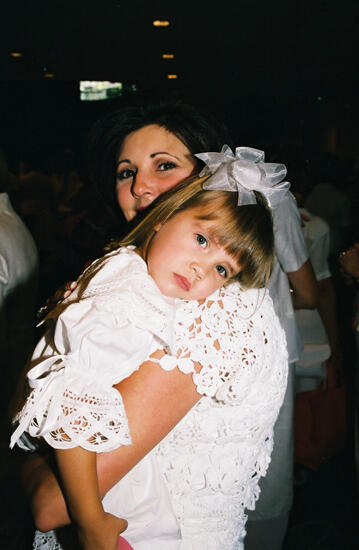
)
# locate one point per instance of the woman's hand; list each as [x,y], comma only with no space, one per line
[60,294]
[102,534]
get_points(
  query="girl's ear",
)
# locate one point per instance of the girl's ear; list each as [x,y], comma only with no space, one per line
[157,227]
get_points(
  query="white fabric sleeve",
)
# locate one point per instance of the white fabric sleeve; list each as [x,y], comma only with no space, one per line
[290,247]
[73,402]
[319,252]
[95,343]
[3,283]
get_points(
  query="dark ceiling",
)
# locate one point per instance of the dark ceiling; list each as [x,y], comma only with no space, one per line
[233,53]
[252,45]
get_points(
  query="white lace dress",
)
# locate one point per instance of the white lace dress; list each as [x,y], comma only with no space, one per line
[210,464]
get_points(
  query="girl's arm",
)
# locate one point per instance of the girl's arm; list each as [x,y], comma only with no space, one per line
[155,401]
[97,530]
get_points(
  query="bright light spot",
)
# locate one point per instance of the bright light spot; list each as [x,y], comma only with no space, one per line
[172,76]
[16,54]
[319,98]
[158,23]
[95,90]
[49,75]
[168,56]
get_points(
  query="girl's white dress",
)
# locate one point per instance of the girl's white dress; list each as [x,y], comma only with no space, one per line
[207,469]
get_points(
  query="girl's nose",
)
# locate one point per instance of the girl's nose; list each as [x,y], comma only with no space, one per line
[143,186]
[197,270]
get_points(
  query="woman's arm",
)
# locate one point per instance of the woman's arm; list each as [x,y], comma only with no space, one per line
[304,287]
[155,401]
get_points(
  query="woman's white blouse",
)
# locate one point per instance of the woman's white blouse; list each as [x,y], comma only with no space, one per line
[213,459]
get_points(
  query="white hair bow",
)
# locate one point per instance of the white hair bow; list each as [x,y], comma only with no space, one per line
[245,172]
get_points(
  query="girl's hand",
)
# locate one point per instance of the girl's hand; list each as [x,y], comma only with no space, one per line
[103,534]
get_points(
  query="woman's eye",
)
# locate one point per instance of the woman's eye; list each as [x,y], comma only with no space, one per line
[221,270]
[126,174]
[202,241]
[164,166]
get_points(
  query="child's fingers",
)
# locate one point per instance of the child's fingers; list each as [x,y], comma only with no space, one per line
[122,525]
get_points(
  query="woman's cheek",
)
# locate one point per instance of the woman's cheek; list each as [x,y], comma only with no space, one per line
[126,201]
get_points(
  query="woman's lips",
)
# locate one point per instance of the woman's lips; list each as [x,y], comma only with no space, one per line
[182,282]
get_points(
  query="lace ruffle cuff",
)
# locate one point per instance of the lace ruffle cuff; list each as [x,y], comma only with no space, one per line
[94,419]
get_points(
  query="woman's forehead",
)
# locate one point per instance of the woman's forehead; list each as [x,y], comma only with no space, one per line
[151,140]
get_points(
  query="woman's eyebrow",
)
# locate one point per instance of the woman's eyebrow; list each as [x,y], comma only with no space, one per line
[153,155]
[123,160]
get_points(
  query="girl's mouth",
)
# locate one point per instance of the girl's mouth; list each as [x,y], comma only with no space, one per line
[182,282]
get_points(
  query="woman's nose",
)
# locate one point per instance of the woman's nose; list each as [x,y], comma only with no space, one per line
[144,186]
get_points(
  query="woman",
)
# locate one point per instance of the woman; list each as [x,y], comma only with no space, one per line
[179,128]
[213,459]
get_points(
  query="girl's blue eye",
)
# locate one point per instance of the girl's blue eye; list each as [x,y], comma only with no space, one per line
[168,165]
[221,270]
[202,241]
[126,174]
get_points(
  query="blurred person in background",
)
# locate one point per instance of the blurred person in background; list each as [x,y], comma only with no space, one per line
[18,288]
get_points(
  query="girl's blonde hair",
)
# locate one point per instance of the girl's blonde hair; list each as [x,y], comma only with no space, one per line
[245,232]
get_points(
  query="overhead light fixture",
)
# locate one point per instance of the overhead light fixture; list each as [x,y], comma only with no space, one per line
[168,56]
[49,75]
[172,76]
[16,54]
[159,23]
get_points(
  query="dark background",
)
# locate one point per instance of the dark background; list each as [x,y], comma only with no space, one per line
[275,72]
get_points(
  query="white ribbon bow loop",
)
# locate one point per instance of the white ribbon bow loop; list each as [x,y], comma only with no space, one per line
[52,367]
[245,172]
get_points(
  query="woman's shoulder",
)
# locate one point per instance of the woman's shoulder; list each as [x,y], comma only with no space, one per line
[236,335]
[231,305]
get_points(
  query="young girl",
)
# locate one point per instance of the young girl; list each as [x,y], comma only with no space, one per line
[193,242]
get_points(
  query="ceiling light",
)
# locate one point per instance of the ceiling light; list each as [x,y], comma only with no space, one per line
[16,54]
[49,75]
[158,23]
[172,76]
[168,56]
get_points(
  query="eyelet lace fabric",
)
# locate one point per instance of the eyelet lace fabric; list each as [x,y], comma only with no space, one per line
[213,459]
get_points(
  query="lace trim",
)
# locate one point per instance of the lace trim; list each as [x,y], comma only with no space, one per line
[61,539]
[96,423]
[225,339]
[228,435]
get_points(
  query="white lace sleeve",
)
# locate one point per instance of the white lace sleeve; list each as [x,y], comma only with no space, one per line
[230,334]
